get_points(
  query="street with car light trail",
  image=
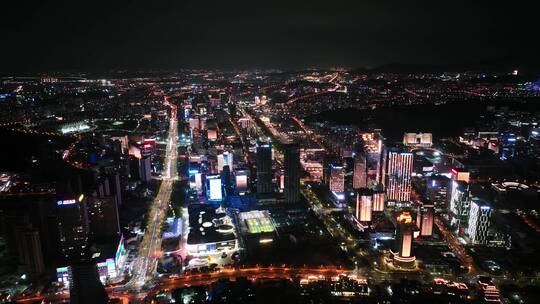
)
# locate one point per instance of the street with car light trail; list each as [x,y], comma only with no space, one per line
[150,246]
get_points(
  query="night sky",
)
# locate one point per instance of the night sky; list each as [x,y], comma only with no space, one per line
[120,34]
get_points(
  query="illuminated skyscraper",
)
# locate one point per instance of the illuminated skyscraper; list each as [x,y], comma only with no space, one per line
[73,226]
[378,201]
[403,242]
[460,205]
[359,172]
[479,221]
[292,173]
[225,159]
[364,202]
[400,166]
[264,168]
[373,147]
[424,219]
[198,183]
[337,178]
[241,178]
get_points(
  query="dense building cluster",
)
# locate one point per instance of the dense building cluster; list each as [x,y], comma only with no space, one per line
[340,182]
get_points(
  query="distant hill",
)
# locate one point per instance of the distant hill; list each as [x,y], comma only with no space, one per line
[498,65]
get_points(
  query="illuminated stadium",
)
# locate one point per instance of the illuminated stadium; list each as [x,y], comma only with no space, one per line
[257,221]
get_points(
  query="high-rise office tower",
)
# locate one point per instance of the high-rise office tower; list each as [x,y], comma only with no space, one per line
[225,159]
[458,175]
[103,217]
[113,180]
[29,213]
[30,244]
[134,167]
[292,173]
[460,205]
[373,148]
[241,179]
[400,166]
[198,183]
[424,219]
[479,221]
[378,201]
[337,178]
[72,226]
[359,172]
[403,243]
[264,168]
[364,205]
[227,180]
[85,287]
[145,169]
[507,145]
[280,180]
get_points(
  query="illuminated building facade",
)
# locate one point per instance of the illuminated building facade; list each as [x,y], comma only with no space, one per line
[364,205]
[479,221]
[403,243]
[460,174]
[337,178]
[378,201]
[241,179]
[400,166]
[359,172]
[459,206]
[424,219]
[373,147]
[418,139]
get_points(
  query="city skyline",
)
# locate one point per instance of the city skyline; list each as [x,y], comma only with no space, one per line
[279,152]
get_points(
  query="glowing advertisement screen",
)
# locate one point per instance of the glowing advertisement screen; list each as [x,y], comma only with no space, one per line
[215,189]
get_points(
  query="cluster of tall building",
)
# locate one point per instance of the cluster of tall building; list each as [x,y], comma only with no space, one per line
[221,167]
[468,216]
[56,232]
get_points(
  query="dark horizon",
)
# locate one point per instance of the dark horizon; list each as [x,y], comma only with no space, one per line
[100,36]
